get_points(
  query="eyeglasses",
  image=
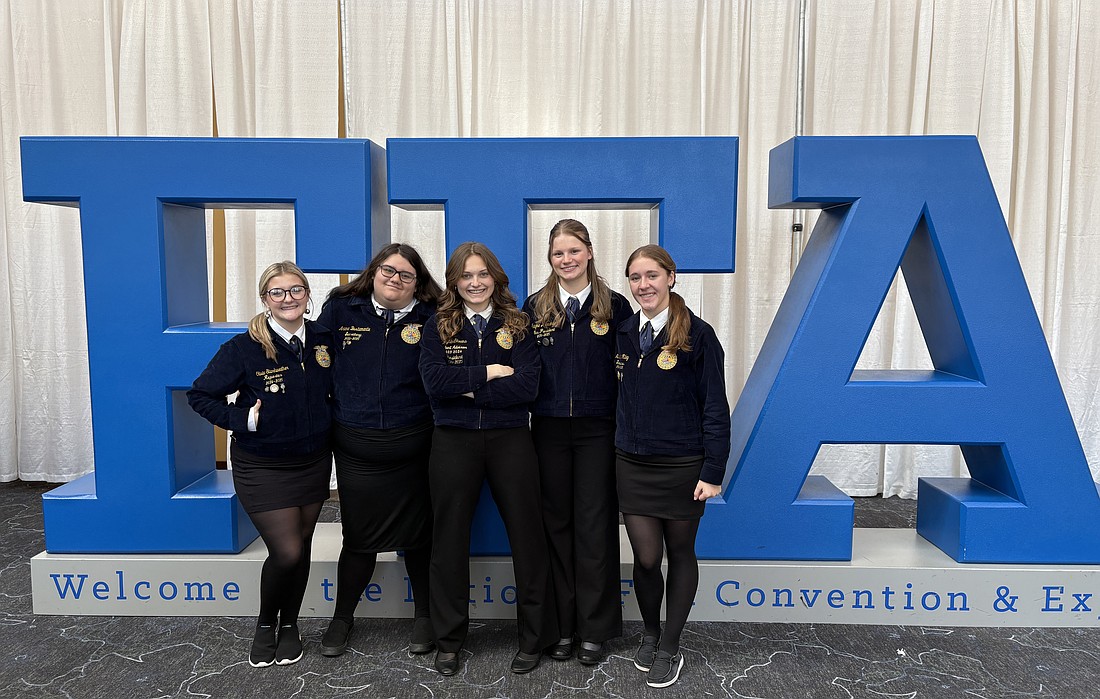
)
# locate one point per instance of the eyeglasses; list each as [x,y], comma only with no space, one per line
[388,272]
[296,292]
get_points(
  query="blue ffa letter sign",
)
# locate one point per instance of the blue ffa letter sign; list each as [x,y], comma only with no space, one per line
[487,186]
[926,204]
[154,488]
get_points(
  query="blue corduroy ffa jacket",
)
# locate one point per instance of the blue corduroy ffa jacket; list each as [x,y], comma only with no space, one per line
[578,362]
[673,404]
[375,369]
[295,408]
[458,366]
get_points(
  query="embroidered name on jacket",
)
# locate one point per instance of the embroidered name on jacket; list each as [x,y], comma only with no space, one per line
[273,379]
[351,333]
[620,362]
[455,351]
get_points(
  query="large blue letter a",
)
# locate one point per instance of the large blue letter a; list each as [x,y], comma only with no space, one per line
[926,204]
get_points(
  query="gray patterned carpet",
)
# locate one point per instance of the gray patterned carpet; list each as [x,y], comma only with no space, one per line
[84,657]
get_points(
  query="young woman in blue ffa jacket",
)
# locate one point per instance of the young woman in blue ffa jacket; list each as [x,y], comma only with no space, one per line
[574,317]
[672,439]
[280,447]
[382,433]
[480,366]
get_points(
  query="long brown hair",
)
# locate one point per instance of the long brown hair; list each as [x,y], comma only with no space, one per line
[679,320]
[258,329]
[451,315]
[427,290]
[548,308]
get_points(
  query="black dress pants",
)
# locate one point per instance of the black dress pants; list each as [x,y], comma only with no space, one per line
[461,460]
[581,513]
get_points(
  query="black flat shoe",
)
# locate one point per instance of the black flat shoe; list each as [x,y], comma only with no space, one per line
[590,653]
[335,640]
[446,663]
[562,650]
[423,637]
[525,662]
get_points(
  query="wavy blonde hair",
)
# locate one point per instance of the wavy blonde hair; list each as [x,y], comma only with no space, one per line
[258,329]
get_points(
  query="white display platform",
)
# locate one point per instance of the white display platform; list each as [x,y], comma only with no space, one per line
[894,577]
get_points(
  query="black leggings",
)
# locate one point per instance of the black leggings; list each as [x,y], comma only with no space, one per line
[288,535]
[356,569]
[650,538]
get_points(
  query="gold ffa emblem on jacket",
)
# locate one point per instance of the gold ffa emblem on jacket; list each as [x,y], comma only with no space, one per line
[320,353]
[411,334]
[666,360]
[504,338]
[599,327]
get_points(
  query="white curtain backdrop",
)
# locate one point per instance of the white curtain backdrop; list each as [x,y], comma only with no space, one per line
[1021,77]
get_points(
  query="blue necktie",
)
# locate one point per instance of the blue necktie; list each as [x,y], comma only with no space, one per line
[647,337]
[389,315]
[572,308]
[479,325]
[296,345]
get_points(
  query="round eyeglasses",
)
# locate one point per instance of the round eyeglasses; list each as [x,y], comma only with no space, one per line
[297,292]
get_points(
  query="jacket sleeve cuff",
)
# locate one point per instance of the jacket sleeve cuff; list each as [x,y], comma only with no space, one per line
[712,474]
[238,420]
[478,376]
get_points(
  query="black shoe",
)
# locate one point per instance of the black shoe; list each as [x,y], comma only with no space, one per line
[263,646]
[423,637]
[289,649]
[335,640]
[562,650]
[446,663]
[643,659]
[590,653]
[525,662]
[666,669]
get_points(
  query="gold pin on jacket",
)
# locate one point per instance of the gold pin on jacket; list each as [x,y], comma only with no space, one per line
[666,360]
[411,334]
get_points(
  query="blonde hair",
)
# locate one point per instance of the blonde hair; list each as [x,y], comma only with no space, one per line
[258,329]
[450,315]
[548,308]
[679,321]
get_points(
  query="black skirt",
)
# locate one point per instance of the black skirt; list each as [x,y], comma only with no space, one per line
[382,476]
[266,483]
[658,486]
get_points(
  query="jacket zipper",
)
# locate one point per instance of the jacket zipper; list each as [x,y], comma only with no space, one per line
[635,402]
[382,377]
[572,364]
[305,383]
[480,411]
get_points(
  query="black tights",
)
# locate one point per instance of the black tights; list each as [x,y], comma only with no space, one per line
[356,569]
[650,538]
[288,534]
